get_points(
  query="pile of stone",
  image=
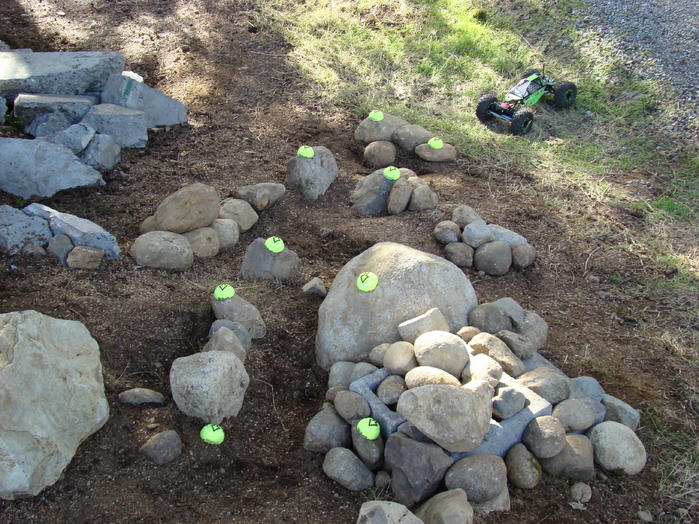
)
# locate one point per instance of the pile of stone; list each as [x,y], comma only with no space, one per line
[194,222]
[463,397]
[38,230]
[493,249]
[381,133]
[52,398]
[84,108]
[312,171]
[393,190]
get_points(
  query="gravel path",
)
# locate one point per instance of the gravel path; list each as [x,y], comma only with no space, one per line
[660,37]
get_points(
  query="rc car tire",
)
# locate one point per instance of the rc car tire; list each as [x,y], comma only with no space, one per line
[482,108]
[530,72]
[522,122]
[564,94]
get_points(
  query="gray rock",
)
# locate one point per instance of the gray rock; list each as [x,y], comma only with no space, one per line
[76,137]
[426,375]
[523,469]
[586,387]
[204,242]
[575,414]
[620,411]
[41,168]
[574,462]
[362,369]
[551,384]
[545,437]
[505,235]
[312,176]
[370,196]
[369,131]
[617,448]
[47,124]
[188,208]
[423,199]
[377,353]
[499,503]
[409,136]
[82,257]
[483,367]
[507,402]
[340,374]
[128,127]
[511,309]
[239,310]
[149,224]
[448,507]
[477,233]
[225,339]
[102,153]
[523,255]
[520,345]
[351,406]
[464,215]
[369,451]
[390,390]
[52,398]
[380,154]
[581,492]
[81,231]
[263,195]
[399,358]
[409,429]
[485,343]
[445,154]
[56,73]
[315,286]
[59,246]
[210,386]
[351,323]
[227,231]
[365,386]
[260,262]
[331,393]
[345,468]
[489,317]
[399,196]
[163,447]
[240,331]
[18,230]
[385,512]
[467,333]
[482,477]
[447,232]
[417,468]
[159,109]
[533,327]
[431,320]
[443,350]
[240,211]
[139,396]
[162,250]
[455,418]
[70,108]
[459,253]
[495,258]
[325,431]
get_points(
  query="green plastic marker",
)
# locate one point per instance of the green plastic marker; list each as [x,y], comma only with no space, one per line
[212,434]
[224,292]
[305,152]
[274,244]
[367,281]
[435,143]
[391,173]
[376,116]
[369,428]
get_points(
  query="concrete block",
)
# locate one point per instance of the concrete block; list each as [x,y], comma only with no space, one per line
[366,387]
[76,137]
[127,126]
[30,107]
[18,230]
[102,153]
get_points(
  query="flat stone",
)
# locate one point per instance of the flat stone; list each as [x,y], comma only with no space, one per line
[445,154]
[102,153]
[163,447]
[237,309]
[128,127]
[345,468]
[260,262]
[76,137]
[18,230]
[82,257]
[240,211]
[139,396]
[262,196]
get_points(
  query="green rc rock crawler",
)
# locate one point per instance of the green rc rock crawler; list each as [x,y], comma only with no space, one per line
[528,91]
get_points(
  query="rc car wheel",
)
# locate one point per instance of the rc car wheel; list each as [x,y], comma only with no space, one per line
[483,105]
[522,122]
[564,94]
[530,72]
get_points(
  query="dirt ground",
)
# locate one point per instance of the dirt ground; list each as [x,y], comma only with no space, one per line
[248,114]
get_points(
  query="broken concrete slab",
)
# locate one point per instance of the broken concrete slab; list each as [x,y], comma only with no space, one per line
[29,107]
[41,168]
[76,137]
[366,387]
[81,231]
[127,126]
[161,110]
[102,153]
[72,73]
[18,230]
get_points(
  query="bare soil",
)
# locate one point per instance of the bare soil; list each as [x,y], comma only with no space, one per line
[248,114]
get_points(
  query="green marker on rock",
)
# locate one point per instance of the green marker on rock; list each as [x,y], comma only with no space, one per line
[391,173]
[367,281]
[435,143]
[224,292]
[376,116]
[274,244]
[305,152]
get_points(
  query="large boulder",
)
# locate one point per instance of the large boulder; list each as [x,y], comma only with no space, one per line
[52,398]
[312,176]
[189,208]
[352,322]
[41,168]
